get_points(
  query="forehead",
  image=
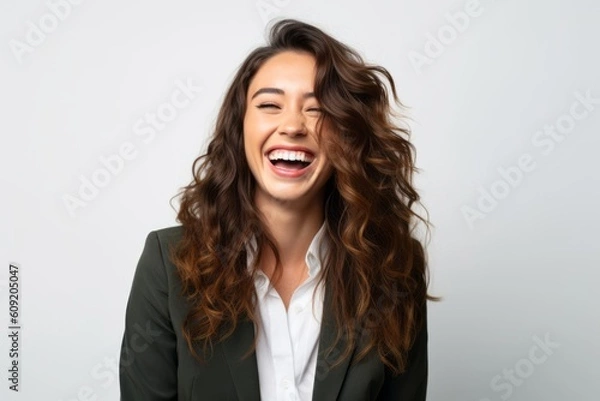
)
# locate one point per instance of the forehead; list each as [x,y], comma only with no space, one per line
[288,69]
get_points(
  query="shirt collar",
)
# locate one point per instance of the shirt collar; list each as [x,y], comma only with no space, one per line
[315,255]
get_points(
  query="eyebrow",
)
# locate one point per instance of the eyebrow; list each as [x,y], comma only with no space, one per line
[278,91]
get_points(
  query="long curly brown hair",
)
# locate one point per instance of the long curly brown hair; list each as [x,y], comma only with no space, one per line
[376,269]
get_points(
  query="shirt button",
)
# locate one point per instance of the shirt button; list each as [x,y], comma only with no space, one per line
[286,383]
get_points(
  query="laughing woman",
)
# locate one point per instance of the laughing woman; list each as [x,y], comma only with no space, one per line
[293,274]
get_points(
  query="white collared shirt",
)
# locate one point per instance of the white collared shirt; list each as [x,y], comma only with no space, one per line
[287,343]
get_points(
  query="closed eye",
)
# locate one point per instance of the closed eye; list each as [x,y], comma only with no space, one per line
[276,107]
[267,106]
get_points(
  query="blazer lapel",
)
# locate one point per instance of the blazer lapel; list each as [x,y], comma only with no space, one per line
[328,379]
[243,372]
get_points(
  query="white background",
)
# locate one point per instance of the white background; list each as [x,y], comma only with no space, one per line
[525,269]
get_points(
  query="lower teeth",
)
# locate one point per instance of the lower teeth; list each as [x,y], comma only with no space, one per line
[295,165]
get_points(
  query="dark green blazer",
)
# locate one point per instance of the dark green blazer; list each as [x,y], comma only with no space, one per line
[155,363]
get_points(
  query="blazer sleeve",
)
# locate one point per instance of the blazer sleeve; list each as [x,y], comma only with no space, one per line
[148,358]
[412,384]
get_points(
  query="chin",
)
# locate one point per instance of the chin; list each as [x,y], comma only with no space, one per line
[283,194]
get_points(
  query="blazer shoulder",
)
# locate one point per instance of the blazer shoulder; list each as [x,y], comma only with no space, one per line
[165,240]
[170,234]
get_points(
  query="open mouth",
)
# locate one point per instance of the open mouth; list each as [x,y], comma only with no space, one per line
[290,164]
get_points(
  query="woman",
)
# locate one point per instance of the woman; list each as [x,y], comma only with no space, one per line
[294,274]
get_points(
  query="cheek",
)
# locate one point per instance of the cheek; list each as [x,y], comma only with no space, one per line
[249,149]
[248,130]
[252,146]
[256,132]
[250,153]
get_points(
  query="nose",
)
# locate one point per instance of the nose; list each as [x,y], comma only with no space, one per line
[292,123]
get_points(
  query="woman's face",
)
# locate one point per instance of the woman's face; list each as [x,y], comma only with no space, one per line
[280,141]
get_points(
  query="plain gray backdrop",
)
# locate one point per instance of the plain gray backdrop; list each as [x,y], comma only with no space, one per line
[504,105]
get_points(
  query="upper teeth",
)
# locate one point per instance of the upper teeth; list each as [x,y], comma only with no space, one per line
[280,154]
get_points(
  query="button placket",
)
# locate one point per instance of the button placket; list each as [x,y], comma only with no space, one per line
[290,338]
[282,353]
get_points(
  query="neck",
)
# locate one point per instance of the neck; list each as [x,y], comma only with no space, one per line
[293,231]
